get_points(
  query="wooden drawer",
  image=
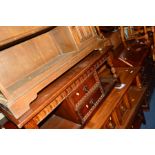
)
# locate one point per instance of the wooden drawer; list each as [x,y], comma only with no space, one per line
[87,106]
[121,111]
[82,90]
[110,123]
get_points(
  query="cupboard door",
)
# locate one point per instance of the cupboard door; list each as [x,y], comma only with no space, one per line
[121,111]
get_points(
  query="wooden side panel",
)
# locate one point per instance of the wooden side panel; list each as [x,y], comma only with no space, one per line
[81,35]
[18,61]
[64,39]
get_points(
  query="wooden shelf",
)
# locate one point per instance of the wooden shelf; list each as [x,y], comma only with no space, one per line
[56,122]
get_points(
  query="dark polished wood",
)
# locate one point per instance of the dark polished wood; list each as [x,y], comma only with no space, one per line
[133,55]
[109,108]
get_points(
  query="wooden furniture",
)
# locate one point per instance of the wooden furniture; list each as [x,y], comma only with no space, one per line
[77,92]
[81,102]
[124,108]
[132,56]
[120,107]
[67,81]
[112,35]
[134,33]
[32,57]
[136,54]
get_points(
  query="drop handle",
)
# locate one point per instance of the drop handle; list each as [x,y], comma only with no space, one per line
[111,125]
[123,109]
[87,106]
[85,89]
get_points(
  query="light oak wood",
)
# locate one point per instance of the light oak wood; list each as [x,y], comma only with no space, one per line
[30,66]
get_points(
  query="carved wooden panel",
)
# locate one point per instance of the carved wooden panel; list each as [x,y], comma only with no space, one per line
[81,34]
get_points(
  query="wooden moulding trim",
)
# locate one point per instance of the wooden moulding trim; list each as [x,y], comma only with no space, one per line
[24,37]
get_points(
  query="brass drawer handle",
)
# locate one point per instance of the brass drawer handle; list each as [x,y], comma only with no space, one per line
[85,89]
[87,106]
[123,109]
[110,118]
[77,93]
[111,125]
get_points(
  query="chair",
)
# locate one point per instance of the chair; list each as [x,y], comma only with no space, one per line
[135,33]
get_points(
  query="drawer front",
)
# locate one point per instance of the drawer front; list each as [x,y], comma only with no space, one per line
[109,124]
[121,110]
[82,90]
[89,104]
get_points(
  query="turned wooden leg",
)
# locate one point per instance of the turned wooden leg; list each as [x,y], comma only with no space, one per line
[138,81]
[113,70]
[31,125]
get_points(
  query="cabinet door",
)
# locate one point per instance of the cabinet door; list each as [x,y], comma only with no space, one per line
[82,34]
[121,111]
